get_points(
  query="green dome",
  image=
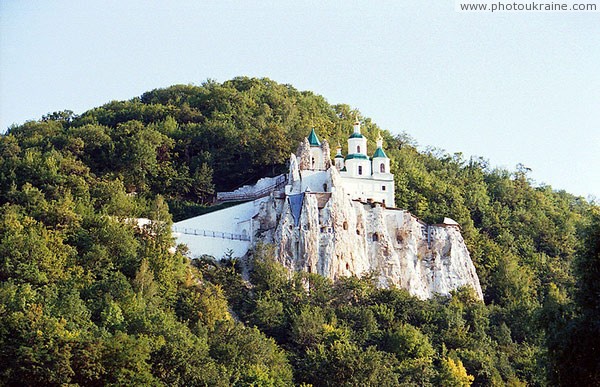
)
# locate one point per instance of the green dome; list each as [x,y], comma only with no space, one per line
[380,153]
[356,135]
[313,140]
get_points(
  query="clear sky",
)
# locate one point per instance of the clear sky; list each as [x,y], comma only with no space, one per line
[511,87]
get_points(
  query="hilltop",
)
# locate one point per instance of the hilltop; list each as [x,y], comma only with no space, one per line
[88,298]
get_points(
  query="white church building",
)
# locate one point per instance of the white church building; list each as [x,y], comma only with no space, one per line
[364,178]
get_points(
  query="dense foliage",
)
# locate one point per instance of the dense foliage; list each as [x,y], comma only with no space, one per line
[88,297]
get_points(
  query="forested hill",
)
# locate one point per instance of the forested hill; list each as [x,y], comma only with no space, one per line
[88,298]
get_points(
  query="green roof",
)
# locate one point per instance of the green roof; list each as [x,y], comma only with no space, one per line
[380,153]
[356,156]
[356,135]
[313,139]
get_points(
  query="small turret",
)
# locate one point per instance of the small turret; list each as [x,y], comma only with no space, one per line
[339,158]
[357,162]
[313,140]
[303,155]
[356,133]
[381,163]
[315,159]
[326,155]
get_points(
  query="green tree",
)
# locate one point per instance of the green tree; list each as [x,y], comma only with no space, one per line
[576,349]
[345,364]
[453,373]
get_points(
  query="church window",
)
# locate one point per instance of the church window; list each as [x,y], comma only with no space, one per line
[325,187]
[375,237]
[313,162]
[345,225]
[357,232]
[383,187]
[382,168]
[358,149]
[360,169]
[347,266]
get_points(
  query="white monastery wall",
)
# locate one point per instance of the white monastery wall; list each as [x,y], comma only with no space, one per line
[216,232]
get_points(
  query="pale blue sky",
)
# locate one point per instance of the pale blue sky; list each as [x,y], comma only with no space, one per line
[518,87]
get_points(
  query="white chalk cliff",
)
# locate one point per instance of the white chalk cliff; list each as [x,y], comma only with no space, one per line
[329,233]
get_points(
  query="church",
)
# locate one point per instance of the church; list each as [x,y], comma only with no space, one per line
[363,178]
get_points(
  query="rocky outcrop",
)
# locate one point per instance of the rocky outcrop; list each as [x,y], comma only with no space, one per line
[330,234]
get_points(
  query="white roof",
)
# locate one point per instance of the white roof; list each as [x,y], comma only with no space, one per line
[450,221]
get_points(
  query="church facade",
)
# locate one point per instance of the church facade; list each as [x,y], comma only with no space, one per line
[362,177]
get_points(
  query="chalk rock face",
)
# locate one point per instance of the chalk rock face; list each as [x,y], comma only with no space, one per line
[330,234]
